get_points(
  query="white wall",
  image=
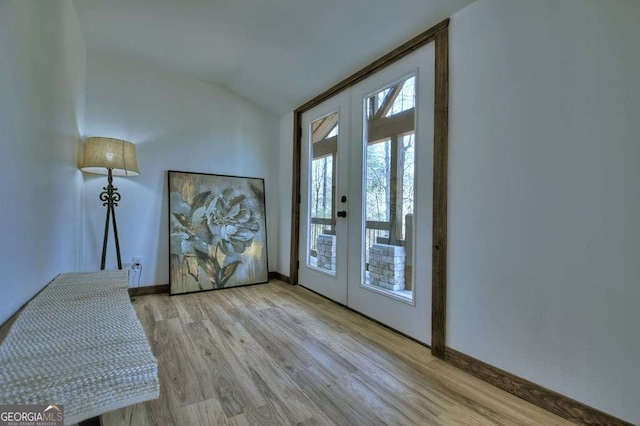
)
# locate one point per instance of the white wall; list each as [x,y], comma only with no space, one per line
[42,81]
[180,124]
[285,171]
[544,201]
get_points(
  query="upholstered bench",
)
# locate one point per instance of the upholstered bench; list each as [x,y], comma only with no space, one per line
[79,344]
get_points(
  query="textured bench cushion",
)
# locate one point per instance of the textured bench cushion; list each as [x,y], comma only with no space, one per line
[80,344]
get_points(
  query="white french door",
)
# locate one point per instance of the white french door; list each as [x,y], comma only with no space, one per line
[366,206]
[390,242]
[324,188]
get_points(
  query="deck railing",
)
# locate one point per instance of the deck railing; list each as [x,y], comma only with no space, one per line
[375,231]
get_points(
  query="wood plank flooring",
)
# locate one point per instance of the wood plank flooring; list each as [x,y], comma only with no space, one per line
[277,354]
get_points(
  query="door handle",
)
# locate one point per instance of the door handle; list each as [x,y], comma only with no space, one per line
[342,213]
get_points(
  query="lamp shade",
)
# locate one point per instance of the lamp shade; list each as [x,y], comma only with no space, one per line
[102,154]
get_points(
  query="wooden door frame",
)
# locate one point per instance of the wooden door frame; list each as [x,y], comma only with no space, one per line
[440,35]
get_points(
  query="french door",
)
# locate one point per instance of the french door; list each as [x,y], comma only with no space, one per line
[324,199]
[366,180]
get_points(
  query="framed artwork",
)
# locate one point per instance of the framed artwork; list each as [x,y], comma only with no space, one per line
[217,232]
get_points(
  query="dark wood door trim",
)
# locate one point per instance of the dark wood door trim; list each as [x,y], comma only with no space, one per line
[397,53]
[440,180]
[439,34]
[295,197]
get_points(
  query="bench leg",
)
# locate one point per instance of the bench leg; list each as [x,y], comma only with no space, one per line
[94,421]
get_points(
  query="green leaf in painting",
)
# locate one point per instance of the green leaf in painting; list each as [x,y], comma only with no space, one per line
[233,197]
[200,200]
[240,247]
[243,216]
[211,267]
[226,247]
[258,192]
[253,226]
[184,221]
[228,271]
[194,274]
[243,235]
[233,211]
[216,265]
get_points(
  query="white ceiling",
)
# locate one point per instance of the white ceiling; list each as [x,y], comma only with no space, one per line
[277,53]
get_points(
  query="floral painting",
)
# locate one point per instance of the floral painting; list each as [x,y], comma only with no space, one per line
[217,232]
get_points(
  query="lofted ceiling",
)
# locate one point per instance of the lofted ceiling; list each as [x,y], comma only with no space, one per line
[276,53]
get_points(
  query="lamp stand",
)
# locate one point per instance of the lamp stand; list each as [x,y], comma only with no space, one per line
[111,197]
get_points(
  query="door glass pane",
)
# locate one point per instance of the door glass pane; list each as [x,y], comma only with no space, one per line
[321,225]
[389,151]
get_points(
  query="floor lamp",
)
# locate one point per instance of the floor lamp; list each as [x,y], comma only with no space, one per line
[111,157]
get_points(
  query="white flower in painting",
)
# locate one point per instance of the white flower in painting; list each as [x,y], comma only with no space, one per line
[229,219]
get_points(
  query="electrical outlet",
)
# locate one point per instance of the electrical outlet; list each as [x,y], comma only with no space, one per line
[136,263]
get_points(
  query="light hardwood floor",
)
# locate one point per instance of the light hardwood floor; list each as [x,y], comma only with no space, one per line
[276,354]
